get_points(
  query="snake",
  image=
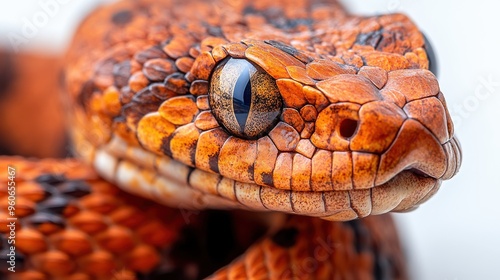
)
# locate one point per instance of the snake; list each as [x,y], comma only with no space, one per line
[299,125]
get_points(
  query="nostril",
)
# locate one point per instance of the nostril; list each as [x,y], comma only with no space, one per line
[348,127]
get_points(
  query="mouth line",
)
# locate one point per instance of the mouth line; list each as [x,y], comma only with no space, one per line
[419,173]
[176,185]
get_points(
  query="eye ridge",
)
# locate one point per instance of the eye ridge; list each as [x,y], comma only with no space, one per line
[244,99]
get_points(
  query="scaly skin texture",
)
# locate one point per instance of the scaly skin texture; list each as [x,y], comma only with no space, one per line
[350,124]
[30,105]
[362,127]
[73,225]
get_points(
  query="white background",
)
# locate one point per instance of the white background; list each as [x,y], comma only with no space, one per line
[456,235]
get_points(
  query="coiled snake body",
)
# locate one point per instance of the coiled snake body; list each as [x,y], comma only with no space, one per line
[270,107]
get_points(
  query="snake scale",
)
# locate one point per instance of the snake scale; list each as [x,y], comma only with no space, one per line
[264,108]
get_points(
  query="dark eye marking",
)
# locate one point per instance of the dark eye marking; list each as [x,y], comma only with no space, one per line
[244,98]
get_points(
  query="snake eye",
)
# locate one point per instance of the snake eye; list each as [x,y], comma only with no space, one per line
[431,56]
[244,98]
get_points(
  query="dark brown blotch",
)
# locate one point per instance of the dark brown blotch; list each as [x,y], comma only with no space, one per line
[146,96]
[192,152]
[370,38]
[389,39]
[54,205]
[105,67]
[290,50]
[134,111]
[199,87]
[165,145]
[40,219]
[213,162]
[75,188]
[7,73]
[5,258]
[383,268]
[86,93]
[286,237]
[161,91]
[3,242]
[250,171]
[158,69]
[276,17]
[149,53]
[267,178]
[51,179]
[215,31]
[248,10]
[362,238]
[121,73]
[122,17]
[177,83]
[142,103]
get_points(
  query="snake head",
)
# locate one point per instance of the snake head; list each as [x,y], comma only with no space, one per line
[333,116]
[381,134]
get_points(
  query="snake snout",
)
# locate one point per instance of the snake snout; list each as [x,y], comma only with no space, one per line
[404,126]
[424,144]
[415,149]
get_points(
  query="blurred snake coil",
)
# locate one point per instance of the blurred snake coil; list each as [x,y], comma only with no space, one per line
[220,140]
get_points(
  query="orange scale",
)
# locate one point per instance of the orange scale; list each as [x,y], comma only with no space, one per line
[209,148]
[237,158]
[89,222]
[152,130]
[116,239]
[138,81]
[202,66]
[142,258]
[157,234]
[293,118]
[179,110]
[184,64]
[100,203]
[376,75]
[128,216]
[291,92]
[30,241]
[72,242]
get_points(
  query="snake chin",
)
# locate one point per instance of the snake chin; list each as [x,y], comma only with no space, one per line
[413,185]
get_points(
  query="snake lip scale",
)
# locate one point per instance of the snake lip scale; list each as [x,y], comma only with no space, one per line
[180,186]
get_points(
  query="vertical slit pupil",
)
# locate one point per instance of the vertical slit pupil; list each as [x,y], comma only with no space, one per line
[247,96]
[242,95]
